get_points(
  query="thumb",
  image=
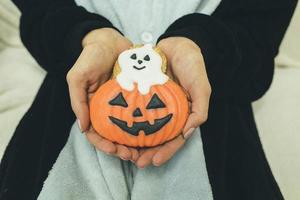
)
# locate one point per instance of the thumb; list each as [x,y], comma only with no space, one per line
[79,101]
[193,121]
[199,109]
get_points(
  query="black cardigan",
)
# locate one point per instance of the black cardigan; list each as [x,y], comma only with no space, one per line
[239,42]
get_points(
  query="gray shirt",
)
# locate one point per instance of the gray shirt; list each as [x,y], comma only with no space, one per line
[143,21]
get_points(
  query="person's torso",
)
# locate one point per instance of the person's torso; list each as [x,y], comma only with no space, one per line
[143,21]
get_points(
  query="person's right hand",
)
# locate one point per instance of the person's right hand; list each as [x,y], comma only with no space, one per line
[101,48]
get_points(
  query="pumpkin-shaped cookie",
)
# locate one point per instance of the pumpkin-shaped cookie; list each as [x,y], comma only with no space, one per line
[140,106]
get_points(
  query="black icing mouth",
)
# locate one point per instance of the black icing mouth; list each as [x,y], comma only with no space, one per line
[145,126]
[139,68]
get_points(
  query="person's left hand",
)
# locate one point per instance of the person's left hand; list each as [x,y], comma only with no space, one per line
[186,67]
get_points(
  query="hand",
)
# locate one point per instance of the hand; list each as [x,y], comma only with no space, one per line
[101,48]
[108,147]
[186,67]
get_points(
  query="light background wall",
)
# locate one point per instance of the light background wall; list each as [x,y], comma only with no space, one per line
[277,113]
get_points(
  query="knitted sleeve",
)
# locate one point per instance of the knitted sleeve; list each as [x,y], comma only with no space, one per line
[52,30]
[239,42]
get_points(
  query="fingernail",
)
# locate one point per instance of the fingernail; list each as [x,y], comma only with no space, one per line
[79,125]
[132,161]
[123,158]
[188,133]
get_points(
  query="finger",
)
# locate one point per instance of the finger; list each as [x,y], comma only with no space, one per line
[79,101]
[123,152]
[146,158]
[95,86]
[92,89]
[190,106]
[167,150]
[200,94]
[141,151]
[101,143]
[134,154]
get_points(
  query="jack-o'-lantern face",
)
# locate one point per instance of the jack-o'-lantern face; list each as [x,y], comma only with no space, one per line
[147,127]
[133,119]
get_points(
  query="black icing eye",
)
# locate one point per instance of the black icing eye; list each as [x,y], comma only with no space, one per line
[155,102]
[119,101]
[147,58]
[133,56]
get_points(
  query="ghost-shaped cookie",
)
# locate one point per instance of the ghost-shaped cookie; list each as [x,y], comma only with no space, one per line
[143,66]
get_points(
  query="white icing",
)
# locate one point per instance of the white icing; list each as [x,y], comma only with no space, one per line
[145,74]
